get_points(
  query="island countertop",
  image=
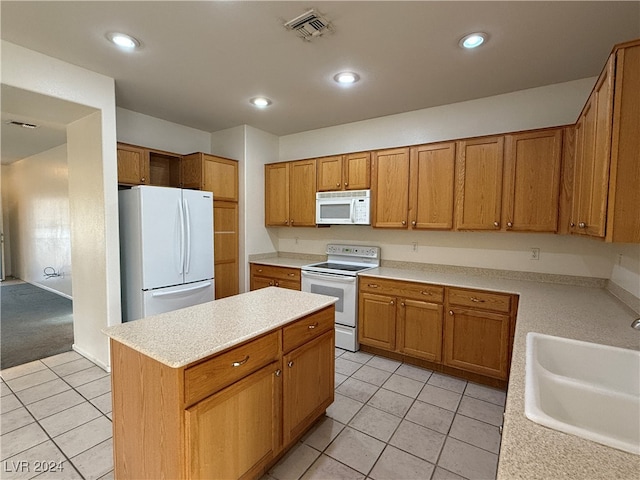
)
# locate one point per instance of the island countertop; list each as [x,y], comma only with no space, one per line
[184,336]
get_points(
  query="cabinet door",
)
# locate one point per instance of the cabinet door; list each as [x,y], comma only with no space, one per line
[276,194]
[235,432]
[220,176]
[302,193]
[225,239]
[377,320]
[308,384]
[133,165]
[390,188]
[330,173]
[357,171]
[420,329]
[477,341]
[479,183]
[532,181]
[261,282]
[432,183]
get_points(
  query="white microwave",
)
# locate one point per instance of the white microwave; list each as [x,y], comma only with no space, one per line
[343,208]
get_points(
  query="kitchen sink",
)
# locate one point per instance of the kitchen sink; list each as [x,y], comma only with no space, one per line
[584,389]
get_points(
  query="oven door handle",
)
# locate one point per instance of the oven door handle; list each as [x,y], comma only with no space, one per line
[329,276]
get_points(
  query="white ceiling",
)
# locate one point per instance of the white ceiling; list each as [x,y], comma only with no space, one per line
[201,61]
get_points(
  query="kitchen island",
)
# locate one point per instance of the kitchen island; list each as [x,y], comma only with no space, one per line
[221,389]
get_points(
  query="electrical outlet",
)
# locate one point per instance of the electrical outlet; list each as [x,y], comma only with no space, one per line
[619,259]
[296,239]
[414,246]
[535,254]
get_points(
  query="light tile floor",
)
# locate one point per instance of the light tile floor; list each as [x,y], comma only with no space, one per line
[389,421]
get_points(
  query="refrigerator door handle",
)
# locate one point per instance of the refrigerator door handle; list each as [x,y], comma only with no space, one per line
[187,221]
[174,292]
[182,233]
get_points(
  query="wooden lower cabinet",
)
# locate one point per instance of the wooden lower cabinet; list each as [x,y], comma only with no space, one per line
[225,238]
[230,416]
[460,331]
[233,433]
[308,385]
[263,276]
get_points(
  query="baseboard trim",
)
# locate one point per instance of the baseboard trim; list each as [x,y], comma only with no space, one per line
[88,356]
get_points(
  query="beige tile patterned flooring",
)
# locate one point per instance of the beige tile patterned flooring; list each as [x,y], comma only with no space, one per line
[389,421]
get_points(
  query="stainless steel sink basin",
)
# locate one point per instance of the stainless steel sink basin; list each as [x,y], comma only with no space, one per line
[584,389]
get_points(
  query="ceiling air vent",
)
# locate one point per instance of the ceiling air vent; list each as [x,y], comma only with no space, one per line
[309,25]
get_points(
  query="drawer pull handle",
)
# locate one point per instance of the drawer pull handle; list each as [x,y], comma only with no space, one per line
[477,300]
[290,364]
[291,274]
[278,372]
[429,294]
[372,285]
[311,327]
[241,362]
[259,270]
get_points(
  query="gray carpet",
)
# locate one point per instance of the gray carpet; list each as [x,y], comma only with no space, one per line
[35,324]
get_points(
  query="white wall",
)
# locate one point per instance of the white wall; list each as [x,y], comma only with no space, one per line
[92,141]
[552,105]
[626,267]
[36,199]
[145,131]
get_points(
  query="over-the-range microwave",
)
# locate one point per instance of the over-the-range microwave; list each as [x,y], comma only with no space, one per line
[343,208]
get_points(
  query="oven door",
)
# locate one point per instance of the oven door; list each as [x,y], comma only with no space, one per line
[341,286]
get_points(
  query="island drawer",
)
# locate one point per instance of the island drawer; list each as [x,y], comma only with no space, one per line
[208,377]
[499,302]
[307,328]
[416,290]
[271,271]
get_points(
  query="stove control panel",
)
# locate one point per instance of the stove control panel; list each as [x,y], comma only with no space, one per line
[354,251]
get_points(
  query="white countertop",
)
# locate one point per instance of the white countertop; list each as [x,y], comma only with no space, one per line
[285,262]
[184,336]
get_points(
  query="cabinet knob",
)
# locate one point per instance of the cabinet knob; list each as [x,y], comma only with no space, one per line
[413,223]
[404,222]
[290,364]
[338,185]
[277,284]
[509,224]
[582,225]
[241,362]
[572,224]
[271,283]
[496,224]
[346,184]
[402,304]
[278,372]
[286,222]
[311,327]
[142,179]
[451,312]
[292,222]
[392,302]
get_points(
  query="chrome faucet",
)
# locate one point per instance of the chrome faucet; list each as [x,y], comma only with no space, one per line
[636,324]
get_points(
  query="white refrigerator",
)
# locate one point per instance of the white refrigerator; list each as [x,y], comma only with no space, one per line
[166,249]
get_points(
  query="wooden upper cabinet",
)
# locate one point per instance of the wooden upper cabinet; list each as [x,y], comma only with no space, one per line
[212,174]
[290,194]
[432,173]
[133,165]
[390,188]
[276,205]
[479,166]
[302,193]
[344,172]
[623,223]
[532,181]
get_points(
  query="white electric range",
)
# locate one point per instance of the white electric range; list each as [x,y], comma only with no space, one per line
[338,277]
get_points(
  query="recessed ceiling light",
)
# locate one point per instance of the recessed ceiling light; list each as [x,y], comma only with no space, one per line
[346,78]
[260,102]
[123,40]
[473,40]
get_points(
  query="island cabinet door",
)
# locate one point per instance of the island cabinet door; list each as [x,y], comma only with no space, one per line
[308,384]
[237,431]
